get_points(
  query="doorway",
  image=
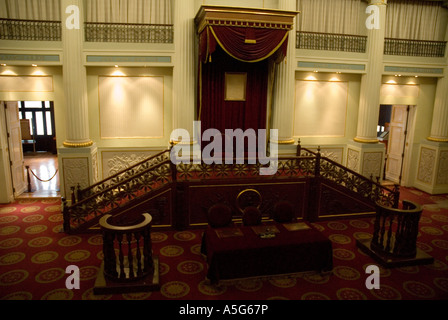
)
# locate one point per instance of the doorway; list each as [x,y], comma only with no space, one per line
[394,130]
[31,132]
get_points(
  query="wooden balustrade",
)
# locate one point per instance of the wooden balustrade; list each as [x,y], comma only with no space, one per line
[394,241]
[129,265]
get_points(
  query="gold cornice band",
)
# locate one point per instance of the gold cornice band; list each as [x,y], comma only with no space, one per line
[437,139]
[371,141]
[78,145]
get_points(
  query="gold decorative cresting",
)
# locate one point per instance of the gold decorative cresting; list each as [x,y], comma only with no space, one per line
[78,145]
[437,139]
[372,141]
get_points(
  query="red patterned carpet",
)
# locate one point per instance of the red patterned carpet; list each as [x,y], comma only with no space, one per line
[34,255]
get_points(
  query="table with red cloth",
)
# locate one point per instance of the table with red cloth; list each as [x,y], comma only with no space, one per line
[240,251]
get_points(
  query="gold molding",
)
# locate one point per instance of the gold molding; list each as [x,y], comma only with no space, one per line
[437,139]
[370,141]
[78,145]
[290,141]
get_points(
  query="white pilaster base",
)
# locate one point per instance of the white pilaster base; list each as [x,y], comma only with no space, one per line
[432,168]
[77,166]
[366,159]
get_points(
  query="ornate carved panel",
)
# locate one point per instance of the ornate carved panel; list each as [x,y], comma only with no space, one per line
[335,154]
[202,197]
[353,160]
[442,173]
[76,171]
[114,162]
[426,165]
[372,163]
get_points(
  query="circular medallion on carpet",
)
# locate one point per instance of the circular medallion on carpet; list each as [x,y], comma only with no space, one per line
[441,283]
[50,275]
[386,293]
[419,289]
[6,231]
[22,295]
[340,239]
[437,265]
[69,241]
[346,273]
[96,240]
[58,294]
[157,237]
[440,243]
[249,285]
[283,282]
[11,258]
[350,294]
[30,209]
[440,217]
[6,210]
[33,218]
[184,236]
[53,209]
[8,219]
[423,246]
[409,269]
[175,289]
[171,251]
[77,255]
[360,224]
[13,277]
[137,295]
[316,278]
[343,254]
[163,268]
[56,218]
[210,290]
[10,243]
[88,273]
[196,249]
[44,257]
[40,242]
[36,229]
[431,230]
[315,296]
[334,225]
[190,267]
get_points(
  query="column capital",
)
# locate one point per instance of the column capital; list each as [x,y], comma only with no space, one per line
[377,2]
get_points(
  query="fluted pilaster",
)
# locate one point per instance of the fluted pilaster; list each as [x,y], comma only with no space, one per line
[74,75]
[184,78]
[439,127]
[283,95]
[369,104]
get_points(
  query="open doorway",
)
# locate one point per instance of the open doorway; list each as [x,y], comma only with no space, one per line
[394,130]
[35,173]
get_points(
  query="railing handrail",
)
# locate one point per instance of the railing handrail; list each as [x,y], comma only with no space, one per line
[30,20]
[415,40]
[123,182]
[130,24]
[146,217]
[124,171]
[333,34]
[356,174]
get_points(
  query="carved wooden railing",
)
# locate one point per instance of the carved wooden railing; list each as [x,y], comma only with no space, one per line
[129,32]
[160,172]
[117,191]
[353,181]
[396,230]
[134,260]
[331,41]
[30,30]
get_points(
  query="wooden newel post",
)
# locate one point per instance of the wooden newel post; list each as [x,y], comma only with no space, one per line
[28,178]
[66,216]
[129,265]
[317,168]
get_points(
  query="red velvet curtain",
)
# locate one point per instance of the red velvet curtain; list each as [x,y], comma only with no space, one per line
[244,44]
[219,114]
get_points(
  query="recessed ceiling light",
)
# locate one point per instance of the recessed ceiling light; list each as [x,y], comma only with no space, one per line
[3,64]
[34,65]
[116,66]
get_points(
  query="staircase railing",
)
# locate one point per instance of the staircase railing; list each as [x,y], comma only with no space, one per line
[353,181]
[115,192]
[159,171]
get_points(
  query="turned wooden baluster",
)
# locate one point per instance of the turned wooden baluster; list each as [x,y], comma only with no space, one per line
[110,259]
[138,255]
[147,251]
[130,257]
[121,255]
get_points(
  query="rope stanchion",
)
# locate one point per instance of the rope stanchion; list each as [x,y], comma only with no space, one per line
[44,180]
